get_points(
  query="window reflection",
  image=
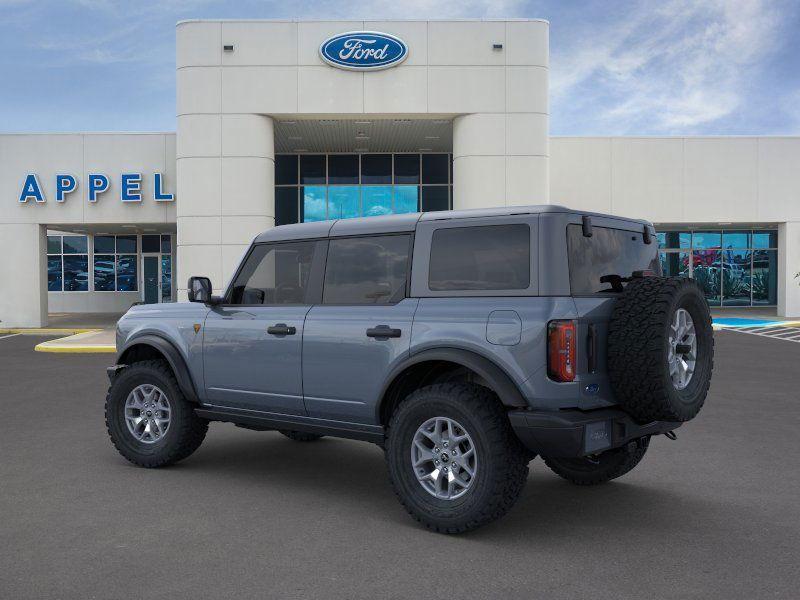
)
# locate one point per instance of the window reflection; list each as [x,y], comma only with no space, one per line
[353,185]
[377,200]
[343,202]
[314,203]
[734,267]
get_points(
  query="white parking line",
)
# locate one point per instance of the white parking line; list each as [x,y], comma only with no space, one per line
[2,337]
[776,333]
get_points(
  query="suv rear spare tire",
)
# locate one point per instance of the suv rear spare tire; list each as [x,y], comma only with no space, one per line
[661,349]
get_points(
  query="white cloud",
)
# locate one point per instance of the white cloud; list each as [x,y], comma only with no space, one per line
[670,66]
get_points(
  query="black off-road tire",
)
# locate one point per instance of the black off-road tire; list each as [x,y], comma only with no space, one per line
[186,430]
[300,436]
[593,470]
[638,347]
[502,467]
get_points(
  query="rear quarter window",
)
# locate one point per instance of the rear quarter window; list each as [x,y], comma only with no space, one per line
[490,257]
[607,252]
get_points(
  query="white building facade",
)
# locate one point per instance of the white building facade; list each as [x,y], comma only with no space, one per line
[287,121]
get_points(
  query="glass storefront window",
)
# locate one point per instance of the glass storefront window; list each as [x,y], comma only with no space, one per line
[706,266]
[376,200]
[674,239]
[376,168]
[435,197]
[54,275]
[104,244]
[360,185]
[765,239]
[675,264]
[76,273]
[104,273]
[126,244]
[707,239]
[312,168]
[75,244]
[67,263]
[741,273]
[736,278]
[406,199]
[343,201]
[166,278]
[736,239]
[286,206]
[313,203]
[343,168]
[406,168]
[166,244]
[765,277]
[54,244]
[434,168]
[126,274]
[286,169]
[151,243]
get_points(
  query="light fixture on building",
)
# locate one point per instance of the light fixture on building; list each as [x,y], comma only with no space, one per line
[363,122]
[431,137]
[426,149]
[361,150]
[301,150]
[402,121]
[288,122]
[228,47]
[497,46]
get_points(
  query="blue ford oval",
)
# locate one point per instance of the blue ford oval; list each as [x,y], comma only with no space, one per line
[363,50]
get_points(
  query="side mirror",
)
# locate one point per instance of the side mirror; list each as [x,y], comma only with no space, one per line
[199,289]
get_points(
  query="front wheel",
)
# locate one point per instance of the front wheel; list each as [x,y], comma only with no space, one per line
[600,468]
[454,461]
[149,420]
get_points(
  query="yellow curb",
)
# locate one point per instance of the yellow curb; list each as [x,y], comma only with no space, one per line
[105,349]
[46,331]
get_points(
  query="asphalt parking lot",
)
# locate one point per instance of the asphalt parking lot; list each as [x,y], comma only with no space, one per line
[254,515]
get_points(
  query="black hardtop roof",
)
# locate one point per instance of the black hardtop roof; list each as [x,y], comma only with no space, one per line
[407,222]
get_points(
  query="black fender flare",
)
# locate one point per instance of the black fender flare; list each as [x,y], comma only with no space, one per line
[500,382]
[168,350]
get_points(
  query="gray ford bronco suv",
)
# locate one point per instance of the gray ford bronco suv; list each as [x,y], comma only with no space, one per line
[464,343]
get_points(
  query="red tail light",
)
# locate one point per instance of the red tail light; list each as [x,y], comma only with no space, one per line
[561,350]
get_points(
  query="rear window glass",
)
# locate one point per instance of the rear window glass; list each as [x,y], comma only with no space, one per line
[491,257]
[607,252]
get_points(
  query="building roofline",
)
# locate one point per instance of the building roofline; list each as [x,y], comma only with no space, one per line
[12,133]
[463,20]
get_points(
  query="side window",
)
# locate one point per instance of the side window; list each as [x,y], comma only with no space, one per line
[489,257]
[274,274]
[367,270]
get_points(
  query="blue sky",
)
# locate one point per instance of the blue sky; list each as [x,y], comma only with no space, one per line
[617,67]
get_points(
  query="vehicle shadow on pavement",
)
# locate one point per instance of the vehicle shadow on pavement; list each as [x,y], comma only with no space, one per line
[350,477]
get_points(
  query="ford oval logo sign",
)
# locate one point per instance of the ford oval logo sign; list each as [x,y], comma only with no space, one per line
[363,50]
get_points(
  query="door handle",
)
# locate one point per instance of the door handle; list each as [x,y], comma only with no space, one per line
[281,329]
[383,331]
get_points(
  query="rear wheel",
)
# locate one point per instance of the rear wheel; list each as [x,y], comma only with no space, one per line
[454,461]
[149,420]
[600,468]
[300,436]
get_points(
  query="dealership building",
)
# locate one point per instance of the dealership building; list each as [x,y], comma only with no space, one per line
[290,121]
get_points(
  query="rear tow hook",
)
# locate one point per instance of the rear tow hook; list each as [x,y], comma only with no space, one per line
[671,435]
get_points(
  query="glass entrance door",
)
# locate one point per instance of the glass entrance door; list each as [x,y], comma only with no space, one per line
[152,279]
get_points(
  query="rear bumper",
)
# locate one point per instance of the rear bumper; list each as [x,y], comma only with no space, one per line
[573,433]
